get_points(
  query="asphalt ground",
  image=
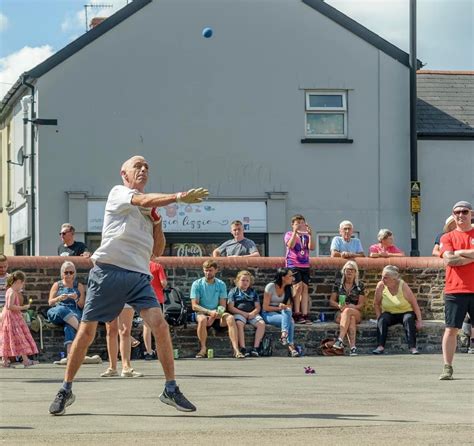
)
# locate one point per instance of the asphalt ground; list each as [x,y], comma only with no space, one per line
[391,399]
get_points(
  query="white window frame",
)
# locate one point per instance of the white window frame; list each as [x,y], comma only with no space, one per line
[326,110]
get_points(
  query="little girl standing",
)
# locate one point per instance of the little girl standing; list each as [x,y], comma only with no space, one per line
[15,336]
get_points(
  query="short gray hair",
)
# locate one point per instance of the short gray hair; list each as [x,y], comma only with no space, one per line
[392,271]
[68,227]
[345,223]
[67,264]
[383,234]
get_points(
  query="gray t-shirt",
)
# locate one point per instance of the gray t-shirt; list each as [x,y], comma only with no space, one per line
[233,248]
[275,299]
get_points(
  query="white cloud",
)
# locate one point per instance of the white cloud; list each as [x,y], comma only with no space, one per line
[76,21]
[3,22]
[13,65]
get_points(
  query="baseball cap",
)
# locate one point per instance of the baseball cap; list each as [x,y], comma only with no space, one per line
[463,204]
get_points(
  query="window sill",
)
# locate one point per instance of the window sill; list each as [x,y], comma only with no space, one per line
[326,141]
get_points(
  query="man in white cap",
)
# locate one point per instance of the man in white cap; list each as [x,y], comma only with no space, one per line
[457,250]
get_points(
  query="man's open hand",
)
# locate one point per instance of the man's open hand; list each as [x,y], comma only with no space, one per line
[192,196]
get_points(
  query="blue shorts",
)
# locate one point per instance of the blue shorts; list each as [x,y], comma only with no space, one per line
[110,287]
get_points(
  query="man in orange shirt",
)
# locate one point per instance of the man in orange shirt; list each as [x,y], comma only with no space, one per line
[457,250]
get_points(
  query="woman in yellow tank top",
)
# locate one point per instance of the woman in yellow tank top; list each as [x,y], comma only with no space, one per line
[395,303]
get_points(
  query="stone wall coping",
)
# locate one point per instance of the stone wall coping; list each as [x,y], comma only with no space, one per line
[321,263]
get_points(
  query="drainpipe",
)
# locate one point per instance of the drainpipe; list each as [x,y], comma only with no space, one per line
[32,165]
[413,135]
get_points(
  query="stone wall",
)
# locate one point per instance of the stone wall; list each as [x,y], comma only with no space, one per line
[425,275]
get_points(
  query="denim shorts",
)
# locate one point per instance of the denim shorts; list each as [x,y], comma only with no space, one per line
[254,321]
[110,287]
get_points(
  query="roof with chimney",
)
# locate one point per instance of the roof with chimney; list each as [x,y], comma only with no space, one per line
[134,6]
[445,105]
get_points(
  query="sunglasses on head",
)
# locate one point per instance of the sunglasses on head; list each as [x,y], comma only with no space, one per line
[461,212]
[69,273]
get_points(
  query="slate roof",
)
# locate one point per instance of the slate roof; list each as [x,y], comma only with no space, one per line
[445,105]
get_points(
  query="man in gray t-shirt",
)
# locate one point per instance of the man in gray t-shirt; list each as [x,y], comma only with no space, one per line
[238,246]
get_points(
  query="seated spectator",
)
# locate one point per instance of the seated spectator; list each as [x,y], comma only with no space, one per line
[395,303]
[385,247]
[244,304]
[345,245]
[159,283]
[66,299]
[348,296]
[238,246]
[207,294]
[468,329]
[449,225]
[69,247]
[277,307]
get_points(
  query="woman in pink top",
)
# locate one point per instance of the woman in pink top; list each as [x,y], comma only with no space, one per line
[385,247]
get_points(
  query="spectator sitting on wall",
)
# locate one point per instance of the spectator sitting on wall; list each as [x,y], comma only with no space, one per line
[395,303]
[345,245]
[238,246]
[348,296]
[66,299]
[277,307]
[244,304]
[69,247]
[385,247]
[207,294]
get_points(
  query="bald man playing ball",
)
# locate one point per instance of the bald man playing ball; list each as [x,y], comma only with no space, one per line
[131,233]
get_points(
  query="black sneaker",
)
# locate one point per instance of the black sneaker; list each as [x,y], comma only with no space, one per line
[254,353]
[245,352]
[178,400]
[63,399]
[148,356]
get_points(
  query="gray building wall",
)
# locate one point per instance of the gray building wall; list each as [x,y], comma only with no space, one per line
[227,113]
[447,176]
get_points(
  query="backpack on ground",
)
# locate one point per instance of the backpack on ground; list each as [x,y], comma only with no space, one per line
[174,308]
[266,346]
[326,348]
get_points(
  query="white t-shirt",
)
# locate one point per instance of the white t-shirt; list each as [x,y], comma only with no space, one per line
[127,235]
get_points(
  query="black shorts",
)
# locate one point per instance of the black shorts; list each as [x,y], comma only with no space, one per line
[456,306]
[301,275]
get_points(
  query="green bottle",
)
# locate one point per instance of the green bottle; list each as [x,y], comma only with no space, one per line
[342,299]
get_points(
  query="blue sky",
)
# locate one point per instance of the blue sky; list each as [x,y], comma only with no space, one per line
[32,30]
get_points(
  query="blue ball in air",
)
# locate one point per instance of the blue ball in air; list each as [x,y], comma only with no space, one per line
[207,33]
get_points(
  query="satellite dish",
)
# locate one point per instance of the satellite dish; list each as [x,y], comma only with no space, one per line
[20,157]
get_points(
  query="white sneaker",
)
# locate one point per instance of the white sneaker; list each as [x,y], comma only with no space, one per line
[109,373]
[130,373]
[62,361]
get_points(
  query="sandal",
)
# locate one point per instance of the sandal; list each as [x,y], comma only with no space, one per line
[30,363]
[294,353]
[135,342]
[201,355]
[239,355]
[7,365]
